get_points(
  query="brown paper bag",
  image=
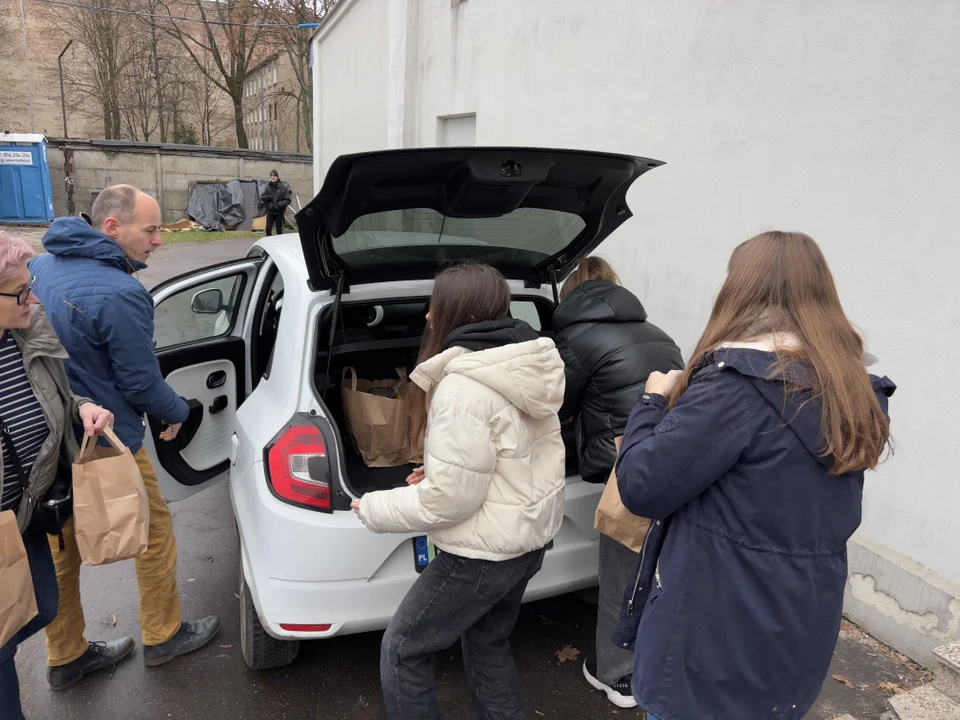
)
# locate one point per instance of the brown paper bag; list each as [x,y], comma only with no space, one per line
[615,521]
[18,600]
[111,511]
[379,426]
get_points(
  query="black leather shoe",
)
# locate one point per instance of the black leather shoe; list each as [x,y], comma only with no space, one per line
[99,656]
[191,636]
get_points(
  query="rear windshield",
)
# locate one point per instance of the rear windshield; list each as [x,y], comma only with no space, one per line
[527,235]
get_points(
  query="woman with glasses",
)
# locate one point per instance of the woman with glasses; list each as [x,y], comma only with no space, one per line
[37,417]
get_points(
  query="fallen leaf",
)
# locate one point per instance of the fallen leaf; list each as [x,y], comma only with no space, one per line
[226,647]
[114,620]
[891,688]
[236,596]
[539,713]
[843,680]
[568,652]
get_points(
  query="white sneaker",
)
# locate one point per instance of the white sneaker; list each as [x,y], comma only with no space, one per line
[620,693]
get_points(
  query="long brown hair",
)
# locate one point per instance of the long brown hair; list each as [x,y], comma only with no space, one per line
[779,282]
[463,294]
[590,268]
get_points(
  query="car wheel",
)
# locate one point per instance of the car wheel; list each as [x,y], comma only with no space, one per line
[260,650]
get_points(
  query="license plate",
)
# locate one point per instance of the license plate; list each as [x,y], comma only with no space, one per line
[423,552]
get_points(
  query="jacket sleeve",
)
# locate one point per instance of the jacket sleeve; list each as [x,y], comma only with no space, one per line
[458,468]
[667,460]
[126,326]
[576,385]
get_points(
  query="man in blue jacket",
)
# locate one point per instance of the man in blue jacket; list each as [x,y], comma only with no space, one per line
[104,318]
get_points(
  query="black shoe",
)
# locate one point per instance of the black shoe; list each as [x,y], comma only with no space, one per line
[99,656]
[191,636]
[620,693]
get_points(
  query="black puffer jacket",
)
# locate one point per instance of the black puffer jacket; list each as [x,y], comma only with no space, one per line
[609,350]
[275,197]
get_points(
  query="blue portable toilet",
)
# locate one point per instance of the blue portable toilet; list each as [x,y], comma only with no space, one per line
[25,193]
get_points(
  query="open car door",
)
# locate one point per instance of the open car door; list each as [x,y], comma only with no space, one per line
[198,340]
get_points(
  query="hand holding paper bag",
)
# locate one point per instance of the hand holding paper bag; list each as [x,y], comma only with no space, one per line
[110,506]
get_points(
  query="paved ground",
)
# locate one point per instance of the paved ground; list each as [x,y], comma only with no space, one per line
[338,679]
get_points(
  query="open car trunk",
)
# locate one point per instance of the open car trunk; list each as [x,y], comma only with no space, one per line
[375,340]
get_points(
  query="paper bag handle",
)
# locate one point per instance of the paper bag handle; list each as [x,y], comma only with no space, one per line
[109,435]
[349,371]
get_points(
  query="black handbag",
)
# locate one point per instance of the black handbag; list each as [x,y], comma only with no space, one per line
[56,506]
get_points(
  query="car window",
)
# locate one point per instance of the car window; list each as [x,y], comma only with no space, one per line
[267,325]
[200,312]
[526,310]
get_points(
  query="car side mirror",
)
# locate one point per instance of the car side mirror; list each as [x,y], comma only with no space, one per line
[207,302]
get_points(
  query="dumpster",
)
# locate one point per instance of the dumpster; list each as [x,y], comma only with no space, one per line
[25,192]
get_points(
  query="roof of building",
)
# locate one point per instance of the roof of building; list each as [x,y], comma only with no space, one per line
[21,137]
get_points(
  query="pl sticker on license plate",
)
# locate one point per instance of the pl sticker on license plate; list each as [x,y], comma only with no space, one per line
[423,552]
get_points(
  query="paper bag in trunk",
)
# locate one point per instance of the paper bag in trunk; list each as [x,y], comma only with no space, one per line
[615,521]
[379,425]
[111,511]
[18,600]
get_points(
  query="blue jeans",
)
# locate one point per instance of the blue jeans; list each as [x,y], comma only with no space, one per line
[45,588]
[477,601]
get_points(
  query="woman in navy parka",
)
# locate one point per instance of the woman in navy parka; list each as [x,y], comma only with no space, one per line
[751,461]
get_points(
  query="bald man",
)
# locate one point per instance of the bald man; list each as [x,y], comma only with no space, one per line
[104,318]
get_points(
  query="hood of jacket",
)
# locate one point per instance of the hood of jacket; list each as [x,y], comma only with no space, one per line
[598,301]
[74,237]
[800,412]
[40,339]
[507,356]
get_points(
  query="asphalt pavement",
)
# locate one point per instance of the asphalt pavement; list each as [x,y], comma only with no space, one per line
[339,678]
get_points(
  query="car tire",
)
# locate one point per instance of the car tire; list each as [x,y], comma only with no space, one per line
[260,650]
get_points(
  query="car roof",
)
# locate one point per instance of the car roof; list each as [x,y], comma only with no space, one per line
[288,243]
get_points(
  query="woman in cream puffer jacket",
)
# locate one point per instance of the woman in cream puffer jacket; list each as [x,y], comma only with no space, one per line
[490,495]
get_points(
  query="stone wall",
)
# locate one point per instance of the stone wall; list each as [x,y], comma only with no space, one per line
[166,171]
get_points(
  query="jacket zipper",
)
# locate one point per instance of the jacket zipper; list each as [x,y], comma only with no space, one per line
[656,575]
[636,587]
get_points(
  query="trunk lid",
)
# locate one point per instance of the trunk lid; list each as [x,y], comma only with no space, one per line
[404,214]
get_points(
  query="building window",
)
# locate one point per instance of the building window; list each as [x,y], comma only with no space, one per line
[274,73]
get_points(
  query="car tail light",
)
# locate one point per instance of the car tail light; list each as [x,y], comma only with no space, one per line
[298,469]
[305,628]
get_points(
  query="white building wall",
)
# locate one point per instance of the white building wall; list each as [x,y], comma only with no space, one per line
[837,118]
[349,55]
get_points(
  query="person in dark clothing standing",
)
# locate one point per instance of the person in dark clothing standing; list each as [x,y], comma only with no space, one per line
[609,350]
[275,198]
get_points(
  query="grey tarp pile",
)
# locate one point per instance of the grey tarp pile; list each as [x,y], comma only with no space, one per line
[217,205]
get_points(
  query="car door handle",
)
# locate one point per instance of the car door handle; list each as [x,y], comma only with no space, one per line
[216,379]
[219,404]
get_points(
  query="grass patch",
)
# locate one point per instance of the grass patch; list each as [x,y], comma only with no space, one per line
[199,236]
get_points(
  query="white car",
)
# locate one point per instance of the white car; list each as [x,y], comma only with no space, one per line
[258,347]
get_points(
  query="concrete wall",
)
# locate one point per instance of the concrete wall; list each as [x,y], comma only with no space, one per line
[835,118]
[166,172]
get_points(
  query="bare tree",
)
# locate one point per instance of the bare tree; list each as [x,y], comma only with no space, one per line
[235,33]
[140,112]
[210,108]
[108,46]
